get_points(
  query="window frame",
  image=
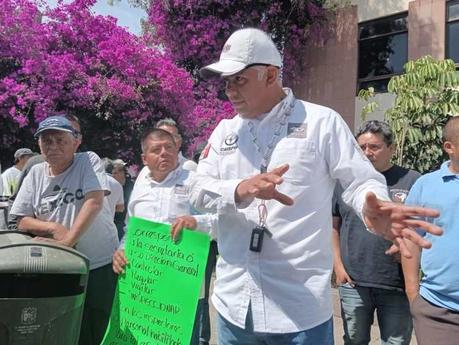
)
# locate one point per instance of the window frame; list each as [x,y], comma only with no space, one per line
[449,4]
[395,16]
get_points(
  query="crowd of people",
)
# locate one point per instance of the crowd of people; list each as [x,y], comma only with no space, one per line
[288,195]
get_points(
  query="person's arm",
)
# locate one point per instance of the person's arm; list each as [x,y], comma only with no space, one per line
[93,203]
[411,265]
[119,208]
[207,223]
[209,192]
[411,270]
[349,165]
[341,276]
[42,228]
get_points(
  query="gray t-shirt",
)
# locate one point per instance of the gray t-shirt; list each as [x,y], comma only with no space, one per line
[362,253]
[60,198]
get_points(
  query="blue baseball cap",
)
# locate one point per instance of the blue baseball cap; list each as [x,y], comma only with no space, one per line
[58,123]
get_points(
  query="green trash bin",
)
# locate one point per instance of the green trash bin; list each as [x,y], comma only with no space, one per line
[42,291]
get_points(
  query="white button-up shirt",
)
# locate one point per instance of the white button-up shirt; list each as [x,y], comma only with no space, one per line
[287,284]
[164,201]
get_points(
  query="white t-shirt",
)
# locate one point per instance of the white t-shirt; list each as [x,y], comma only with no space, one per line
[60,198]
[10,179]
[116,196]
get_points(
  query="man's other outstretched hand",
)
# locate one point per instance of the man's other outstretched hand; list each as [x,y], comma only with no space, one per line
[397,222]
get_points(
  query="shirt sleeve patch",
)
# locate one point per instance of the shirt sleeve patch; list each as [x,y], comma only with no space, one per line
[205,152]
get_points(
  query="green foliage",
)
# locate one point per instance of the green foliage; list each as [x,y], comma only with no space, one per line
[366,95]
[426,96]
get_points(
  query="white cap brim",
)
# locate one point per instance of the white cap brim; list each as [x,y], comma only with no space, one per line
[222,68]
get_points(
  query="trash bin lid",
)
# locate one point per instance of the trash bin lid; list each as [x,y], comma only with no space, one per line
[19,253]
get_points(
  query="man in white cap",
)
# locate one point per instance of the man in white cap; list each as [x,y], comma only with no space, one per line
[10,177]
[269,173]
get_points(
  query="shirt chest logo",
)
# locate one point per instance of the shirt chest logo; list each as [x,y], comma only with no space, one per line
[229,144]
[297,130]
[180,189]
[398,195]
[59,197]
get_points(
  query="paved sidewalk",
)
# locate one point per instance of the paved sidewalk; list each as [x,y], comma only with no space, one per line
[338,325]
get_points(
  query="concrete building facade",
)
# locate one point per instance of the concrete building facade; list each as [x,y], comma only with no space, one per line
[369,42]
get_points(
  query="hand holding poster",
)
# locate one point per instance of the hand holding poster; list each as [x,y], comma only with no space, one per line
[155,301]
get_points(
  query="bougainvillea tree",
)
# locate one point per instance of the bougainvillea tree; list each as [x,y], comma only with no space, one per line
[193,32]
[68,59]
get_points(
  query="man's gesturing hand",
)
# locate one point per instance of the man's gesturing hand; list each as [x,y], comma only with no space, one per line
[263,186]
[397,222]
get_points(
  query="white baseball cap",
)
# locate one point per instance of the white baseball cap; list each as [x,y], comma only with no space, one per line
[243,48]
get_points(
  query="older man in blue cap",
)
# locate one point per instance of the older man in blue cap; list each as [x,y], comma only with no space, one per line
[61,196]
[58,201]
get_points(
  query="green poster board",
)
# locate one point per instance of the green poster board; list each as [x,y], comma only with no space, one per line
[156,299]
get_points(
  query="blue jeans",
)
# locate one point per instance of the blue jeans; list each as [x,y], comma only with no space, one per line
[229,334]
[358,305]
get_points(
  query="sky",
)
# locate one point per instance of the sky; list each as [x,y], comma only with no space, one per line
[127,15]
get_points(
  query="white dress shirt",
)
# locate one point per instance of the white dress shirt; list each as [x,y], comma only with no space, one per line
[287,284]
[164,201]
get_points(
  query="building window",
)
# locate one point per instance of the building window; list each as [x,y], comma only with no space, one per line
[383,50]
[452,31]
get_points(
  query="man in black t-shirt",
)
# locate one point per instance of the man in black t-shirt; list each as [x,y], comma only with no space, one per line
[367,277]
